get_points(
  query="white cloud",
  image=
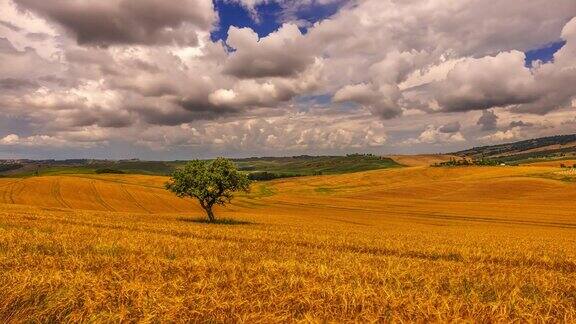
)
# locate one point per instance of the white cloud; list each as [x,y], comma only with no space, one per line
[411,68]
[501,136]
[436,135]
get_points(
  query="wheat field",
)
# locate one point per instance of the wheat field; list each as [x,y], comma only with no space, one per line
[420,244]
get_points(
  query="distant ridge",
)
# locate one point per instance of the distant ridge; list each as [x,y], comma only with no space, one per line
[543,147]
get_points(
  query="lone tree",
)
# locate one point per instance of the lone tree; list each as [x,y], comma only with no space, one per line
[210,182]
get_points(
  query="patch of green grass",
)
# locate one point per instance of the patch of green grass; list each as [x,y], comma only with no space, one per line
[266,191]
[260,191]
[279,167]
[316,165]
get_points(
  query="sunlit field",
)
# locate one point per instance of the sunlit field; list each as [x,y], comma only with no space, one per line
[416,243]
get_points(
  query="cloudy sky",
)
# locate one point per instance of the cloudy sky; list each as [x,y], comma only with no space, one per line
[181,79]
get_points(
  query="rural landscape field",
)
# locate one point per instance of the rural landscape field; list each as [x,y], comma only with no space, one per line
[405,244]
[287,161]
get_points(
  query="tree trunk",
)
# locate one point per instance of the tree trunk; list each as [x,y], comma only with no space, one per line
[210,214]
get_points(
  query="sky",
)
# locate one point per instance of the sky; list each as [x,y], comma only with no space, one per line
[185,79]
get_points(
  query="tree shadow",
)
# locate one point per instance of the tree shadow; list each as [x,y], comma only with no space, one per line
[218,221]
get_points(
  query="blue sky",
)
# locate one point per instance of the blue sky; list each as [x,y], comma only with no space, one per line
[271,15]
[545,53]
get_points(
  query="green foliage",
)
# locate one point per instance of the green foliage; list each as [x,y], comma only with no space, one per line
[111,171]
[10,166]
[266,168]
[528,151]
[304,165]
[520,147]
[467,162]
[210,182]
[266,176]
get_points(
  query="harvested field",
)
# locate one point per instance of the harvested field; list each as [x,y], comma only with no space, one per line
[423,159]
[411,244]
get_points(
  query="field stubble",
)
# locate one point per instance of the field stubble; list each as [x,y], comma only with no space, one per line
[413,244]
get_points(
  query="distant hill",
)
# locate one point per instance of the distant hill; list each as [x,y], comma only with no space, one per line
[84,166]
[315,165]
[560,146]
[422,159]
[261,168]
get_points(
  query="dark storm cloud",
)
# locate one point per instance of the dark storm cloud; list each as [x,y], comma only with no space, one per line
[99,117]
[128,21]
[17,84]
[201,110]
[450,128]
[177,115]
[247,66]
[519,123]
[159,111]
[488,120]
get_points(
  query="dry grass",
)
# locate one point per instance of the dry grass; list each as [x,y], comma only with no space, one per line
[423,159]
[555,163]
[415,244]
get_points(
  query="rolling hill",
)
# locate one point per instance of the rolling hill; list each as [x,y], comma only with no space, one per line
[524,151]
[403,244]
[275,167]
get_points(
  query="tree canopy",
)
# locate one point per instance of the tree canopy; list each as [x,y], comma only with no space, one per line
[210,182]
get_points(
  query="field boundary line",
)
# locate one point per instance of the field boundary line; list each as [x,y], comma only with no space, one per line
[131,198]
[56,192]
[99,198]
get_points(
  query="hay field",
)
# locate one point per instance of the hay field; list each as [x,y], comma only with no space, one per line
[410,244]
[554,163]
[423,159]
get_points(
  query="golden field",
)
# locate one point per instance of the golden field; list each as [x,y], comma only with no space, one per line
[409,244]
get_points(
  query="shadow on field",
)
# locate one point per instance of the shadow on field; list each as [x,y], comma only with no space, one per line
[221,221]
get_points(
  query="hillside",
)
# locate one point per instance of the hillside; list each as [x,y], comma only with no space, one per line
[422,159]
[316,165]
[476,244]
[539,148]
[275,166]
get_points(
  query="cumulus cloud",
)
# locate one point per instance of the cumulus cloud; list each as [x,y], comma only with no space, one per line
[280,54]
[11,84]
[450,128]
[553,78]
[436,135]
[10,139]
[382,101]
[502,136]
[128,21]
[9,25]
[293,133]
[488,120]
[40,141]
[20,64]
[519,123]
[376,72]
[477,84]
